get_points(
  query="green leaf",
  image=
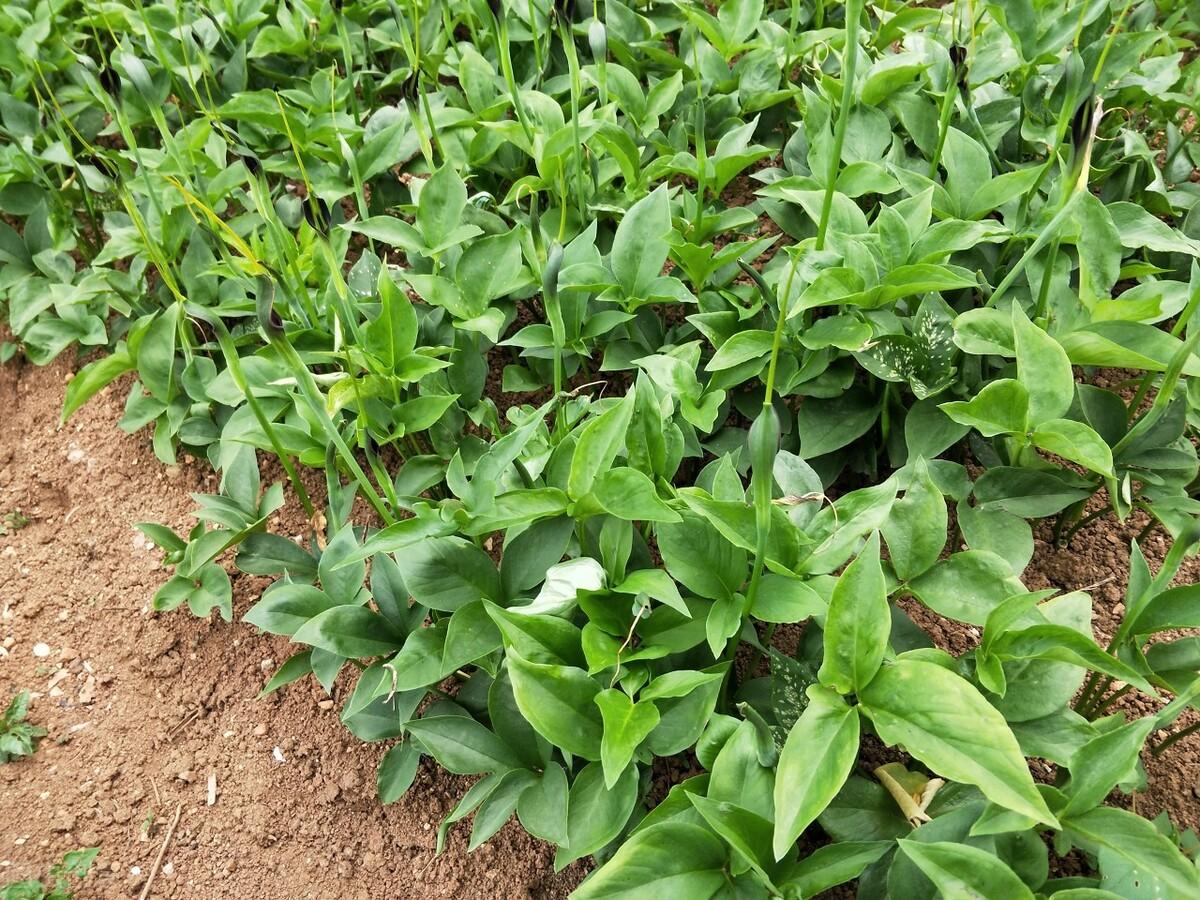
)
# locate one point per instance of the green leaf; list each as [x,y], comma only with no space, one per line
[1029,493]
[915,529]
[599,442]
[445,573]
[677,683]
[828,425]
[626,725]
[656,584]
[1132,345]
[156,353]
[740,348]
[489,268]
[1076,442]
[440,205]
[1002,407]
[1043,369]
[393,335]
[640,246]
[782,599]
[421,413]
[204,590]
[528,555]
[1065,644]
[944,722]
[538,638]
[542,808]
[560,703]
[351,631]
[294,668]
[699,558]
[396,773]
[92,378]
[596,813]
[962,871]
[967,586]
[673,860]
[834,864]
[340,571]
[628,494]
[746,832]
[858,623]
[1009,537]
[1104,762]
[499,805]
[287,606]
[815,761]
[1138,228]
[1160,867]
[863,810]
[1178,607]
[463,746]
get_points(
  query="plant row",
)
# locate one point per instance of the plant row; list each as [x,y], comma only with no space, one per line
[666,366]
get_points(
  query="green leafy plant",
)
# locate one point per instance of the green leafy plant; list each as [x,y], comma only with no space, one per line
[74,865]
[18,737]
[634,343]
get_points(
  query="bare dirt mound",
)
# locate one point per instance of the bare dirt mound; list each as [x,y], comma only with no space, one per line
[143,710]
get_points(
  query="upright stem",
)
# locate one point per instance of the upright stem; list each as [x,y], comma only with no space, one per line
[849,63]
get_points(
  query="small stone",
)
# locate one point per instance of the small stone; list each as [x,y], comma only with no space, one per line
[267,665]
[277,755]
[75,456]
[325,704]
[260,730]
[40,650]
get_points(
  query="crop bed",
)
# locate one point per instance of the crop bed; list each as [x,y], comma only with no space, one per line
[700,450]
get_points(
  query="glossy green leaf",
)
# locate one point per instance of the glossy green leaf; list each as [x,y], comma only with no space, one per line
[946,723]
[626,725]
[815,761]
[559,702]
[962,871]
[857,624]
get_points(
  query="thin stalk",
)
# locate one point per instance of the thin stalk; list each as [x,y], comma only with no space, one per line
[1177,329]
[234,364]
[1050,232]
[761,482]
[946,111]
[700,126]
[1172,739]
[849,64]
[576,89]
[312,396]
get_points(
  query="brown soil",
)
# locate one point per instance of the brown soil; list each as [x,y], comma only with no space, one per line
[143,709]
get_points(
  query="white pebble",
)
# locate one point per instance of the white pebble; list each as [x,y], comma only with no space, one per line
[40,650]
[278,755]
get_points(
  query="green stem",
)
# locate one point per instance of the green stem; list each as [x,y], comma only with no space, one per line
[849,63]
[1170,740]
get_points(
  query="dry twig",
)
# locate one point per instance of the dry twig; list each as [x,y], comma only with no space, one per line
[162,851]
